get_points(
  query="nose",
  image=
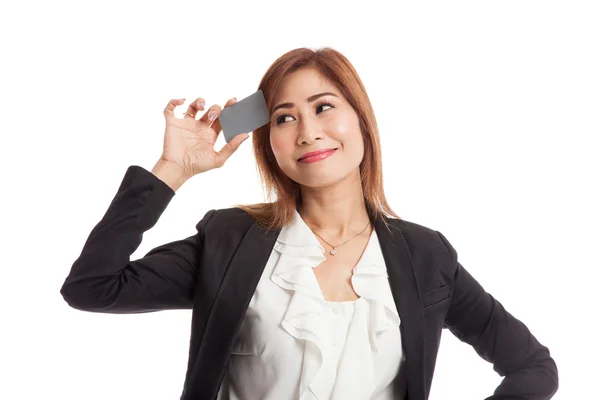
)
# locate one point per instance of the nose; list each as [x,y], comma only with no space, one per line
[309,130]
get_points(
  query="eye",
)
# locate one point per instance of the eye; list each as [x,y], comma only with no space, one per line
[324,104]
[280,120]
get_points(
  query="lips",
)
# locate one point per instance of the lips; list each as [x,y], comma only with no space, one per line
[315,153]
[320,155]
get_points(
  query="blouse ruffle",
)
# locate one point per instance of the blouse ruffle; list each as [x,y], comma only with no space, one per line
[374,314]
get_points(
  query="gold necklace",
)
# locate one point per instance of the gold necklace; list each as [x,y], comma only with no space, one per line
[332,252]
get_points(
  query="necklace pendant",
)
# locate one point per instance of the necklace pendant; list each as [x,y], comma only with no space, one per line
[332,252]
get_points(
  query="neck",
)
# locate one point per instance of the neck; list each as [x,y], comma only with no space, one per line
[336,213]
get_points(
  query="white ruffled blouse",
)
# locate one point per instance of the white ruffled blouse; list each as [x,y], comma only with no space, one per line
[293,344]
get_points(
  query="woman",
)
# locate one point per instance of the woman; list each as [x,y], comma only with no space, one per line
[318,294]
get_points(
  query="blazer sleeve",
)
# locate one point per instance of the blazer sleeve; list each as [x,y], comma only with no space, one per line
[477,318]
[103,279]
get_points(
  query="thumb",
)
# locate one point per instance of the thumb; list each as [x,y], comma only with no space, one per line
[230,148]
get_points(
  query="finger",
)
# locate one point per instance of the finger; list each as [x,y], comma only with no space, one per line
[213,112]
[193,108]
[216,126]
[168,112]
[230,148]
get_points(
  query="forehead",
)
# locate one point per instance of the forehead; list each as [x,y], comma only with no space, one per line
[298,85]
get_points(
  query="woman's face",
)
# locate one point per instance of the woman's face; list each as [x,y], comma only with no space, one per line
[303,120]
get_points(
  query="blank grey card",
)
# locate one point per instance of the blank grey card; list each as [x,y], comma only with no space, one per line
[244,116]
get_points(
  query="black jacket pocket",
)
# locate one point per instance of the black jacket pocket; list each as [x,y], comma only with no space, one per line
[435,297]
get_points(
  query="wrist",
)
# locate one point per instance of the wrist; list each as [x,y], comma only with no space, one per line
[170,173]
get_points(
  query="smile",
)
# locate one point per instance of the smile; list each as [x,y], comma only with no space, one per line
[317,157]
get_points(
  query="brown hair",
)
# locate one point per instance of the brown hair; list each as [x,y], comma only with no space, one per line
[336,68]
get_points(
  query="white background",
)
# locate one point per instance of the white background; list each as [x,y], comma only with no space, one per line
[489,120]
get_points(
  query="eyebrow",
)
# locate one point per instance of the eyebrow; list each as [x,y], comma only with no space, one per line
[310,99]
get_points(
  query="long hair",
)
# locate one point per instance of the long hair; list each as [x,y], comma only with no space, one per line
[336,68]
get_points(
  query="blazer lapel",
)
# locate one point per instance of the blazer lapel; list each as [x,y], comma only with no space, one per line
[231,303]
[407,297]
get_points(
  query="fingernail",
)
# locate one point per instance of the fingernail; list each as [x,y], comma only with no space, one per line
[201,105]
[212,115]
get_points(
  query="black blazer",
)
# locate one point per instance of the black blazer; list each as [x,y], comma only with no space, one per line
[216,271]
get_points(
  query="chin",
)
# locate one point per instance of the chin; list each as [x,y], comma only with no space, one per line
[320,179]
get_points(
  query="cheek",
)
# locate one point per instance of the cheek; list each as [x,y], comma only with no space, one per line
[346,129]
[279,146]
[342,125]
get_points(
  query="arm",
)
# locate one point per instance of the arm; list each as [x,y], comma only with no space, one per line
[103,279]
[478,319]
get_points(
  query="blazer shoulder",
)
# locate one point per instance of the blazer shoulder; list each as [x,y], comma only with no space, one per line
[233,214]
[220,220]
[417,235]
[430,246]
